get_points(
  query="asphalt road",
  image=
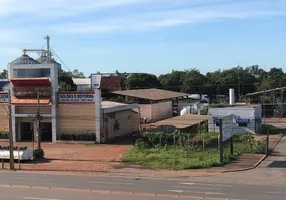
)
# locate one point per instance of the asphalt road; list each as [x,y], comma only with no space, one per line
[68,187]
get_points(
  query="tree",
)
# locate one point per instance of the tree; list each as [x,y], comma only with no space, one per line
[193,82]
[142,81]
[66,82]
[77,74]
[4,74]
[172,81]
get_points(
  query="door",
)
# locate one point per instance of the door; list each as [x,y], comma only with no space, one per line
[26,131]
[46,131]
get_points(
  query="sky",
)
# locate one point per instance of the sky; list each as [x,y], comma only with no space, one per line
[150,36]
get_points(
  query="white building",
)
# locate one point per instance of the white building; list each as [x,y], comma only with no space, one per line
[246,118]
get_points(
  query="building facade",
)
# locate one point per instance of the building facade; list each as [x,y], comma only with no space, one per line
[245,118]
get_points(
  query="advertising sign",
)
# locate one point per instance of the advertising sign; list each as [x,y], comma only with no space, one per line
[4,98]
[76,97]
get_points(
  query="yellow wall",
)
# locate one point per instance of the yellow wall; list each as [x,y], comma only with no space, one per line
[129,122]
[4,119]
[76,118]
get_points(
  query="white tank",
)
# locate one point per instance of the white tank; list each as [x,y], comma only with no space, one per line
[195,96]
[231,96]
[186,110]
[22,154]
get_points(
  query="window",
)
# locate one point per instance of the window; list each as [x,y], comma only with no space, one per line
[32,73]
[116,125]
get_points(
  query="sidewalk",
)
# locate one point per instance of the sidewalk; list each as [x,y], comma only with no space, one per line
[248,161]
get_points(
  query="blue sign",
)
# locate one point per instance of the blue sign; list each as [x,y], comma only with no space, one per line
[242,121]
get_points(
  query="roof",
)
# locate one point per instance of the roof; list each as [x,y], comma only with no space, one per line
[183,121]
[111,107]
[24,60]
[151,94]
[33,101]
[81,81]
[30,82]
[4,82]
[265,91]
[110,104]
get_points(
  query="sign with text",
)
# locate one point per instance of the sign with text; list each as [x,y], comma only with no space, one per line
[76,97]
[4,97]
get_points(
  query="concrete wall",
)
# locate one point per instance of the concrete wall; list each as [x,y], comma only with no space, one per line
[4,118]
[251,113]
[156,112]
[76,118]
[128,121]
[162,111]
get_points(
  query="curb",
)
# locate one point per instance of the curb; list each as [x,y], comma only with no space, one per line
[258,163]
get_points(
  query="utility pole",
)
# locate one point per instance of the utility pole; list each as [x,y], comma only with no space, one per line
[11,134]
[38,118]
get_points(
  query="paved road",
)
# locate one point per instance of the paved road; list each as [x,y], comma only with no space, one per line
[67,187]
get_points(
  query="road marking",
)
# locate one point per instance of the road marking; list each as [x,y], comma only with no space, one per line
[203,188]
[111,183]
[198,192]
[34,198]
[280,193]
[24,178]
[210,184]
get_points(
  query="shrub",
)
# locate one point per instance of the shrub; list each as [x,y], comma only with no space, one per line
[39,153]
[77,137]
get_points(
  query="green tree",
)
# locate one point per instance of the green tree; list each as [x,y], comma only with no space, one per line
[66,82]
[172,81]
[193,82]
[142,81]
[4,74]
[77,74]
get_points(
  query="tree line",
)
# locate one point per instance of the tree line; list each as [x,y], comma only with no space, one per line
[243,79]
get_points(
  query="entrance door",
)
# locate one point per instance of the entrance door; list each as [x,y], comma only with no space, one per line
[46,131]
[26,131]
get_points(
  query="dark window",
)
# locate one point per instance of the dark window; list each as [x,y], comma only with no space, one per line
[32,73]
[116,125]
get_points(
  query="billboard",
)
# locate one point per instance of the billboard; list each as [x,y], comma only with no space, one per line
[76,97]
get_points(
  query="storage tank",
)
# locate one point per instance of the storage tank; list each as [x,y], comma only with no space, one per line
[231,96]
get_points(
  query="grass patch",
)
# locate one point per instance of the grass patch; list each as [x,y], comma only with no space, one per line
[190,156]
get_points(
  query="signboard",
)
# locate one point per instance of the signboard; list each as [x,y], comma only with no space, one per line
[4,97]
[227,124]
[76,97]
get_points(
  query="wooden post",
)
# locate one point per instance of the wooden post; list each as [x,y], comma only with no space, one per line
[220,141]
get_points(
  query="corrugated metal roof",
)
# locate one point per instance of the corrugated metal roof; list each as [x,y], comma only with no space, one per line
[24,60]
[31,81]
[110,104]
[151,94]
[183,121]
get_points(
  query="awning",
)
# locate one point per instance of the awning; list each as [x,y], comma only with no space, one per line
[183,121]
[30,81]
[31,101]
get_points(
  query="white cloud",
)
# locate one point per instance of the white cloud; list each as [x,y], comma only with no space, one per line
[59,8]
[169,18]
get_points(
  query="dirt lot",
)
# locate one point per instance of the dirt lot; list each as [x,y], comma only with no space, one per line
[76,157]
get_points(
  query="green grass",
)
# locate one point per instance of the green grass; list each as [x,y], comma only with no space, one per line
[171,158]
[179,159]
